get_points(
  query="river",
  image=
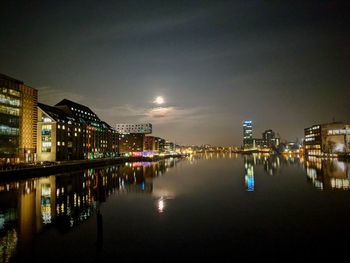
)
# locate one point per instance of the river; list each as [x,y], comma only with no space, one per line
[214,206]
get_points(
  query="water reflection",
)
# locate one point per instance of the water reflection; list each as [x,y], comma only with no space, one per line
[324,174]
[328,174]
[270,163]
[29,207]
[249,174]
[161,204]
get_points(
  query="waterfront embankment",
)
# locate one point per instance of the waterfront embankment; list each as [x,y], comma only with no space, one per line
[19,173]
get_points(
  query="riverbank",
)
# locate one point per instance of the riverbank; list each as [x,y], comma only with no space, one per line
[68,166]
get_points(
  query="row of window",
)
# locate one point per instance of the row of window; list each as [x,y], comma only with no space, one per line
[9,100]
[316,146]
[6,130]
[59,143]
[133,125]
[12,92]
[46,138]
[9,110]
[84,112]
[338,132]
[12,121]
[64,127]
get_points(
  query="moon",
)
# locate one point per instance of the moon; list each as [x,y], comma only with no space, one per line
[159,100]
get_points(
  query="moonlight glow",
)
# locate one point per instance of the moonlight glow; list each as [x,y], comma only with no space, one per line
[159,100]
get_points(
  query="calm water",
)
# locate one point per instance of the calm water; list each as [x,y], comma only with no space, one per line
[214,206]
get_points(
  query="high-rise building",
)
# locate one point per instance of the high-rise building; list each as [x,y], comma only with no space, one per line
[247,133]
[124,128]
[18,116]
[270,139]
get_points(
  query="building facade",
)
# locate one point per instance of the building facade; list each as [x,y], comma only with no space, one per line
[270,139]
[71,131]
[247,133]
[331,139]
[18,115]
[169,147]
[28,123]
[125,128]
[155,145]
[312,140]
[131,144]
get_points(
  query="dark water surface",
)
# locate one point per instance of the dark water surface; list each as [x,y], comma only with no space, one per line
[210,206]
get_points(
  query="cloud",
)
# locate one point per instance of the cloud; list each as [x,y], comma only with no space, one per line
[160,112]
[51,96]
[158,115]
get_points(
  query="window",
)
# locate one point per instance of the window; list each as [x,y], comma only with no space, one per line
[14,92]
[6,130]
[9,110]
[9,100]
[46,138]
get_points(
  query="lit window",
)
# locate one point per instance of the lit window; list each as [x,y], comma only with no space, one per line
[58,143]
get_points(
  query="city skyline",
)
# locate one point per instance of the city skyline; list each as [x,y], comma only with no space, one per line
[193,70]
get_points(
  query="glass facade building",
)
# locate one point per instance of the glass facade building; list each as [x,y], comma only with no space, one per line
[328,139]
[18,118]
[247,133]
[10,108]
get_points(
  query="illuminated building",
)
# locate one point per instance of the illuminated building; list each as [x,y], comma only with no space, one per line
[270,139]
[330,139]
[28,123]
[257,142]
[169,146]
[131,143]
[247,133]
[312,140]
[161,145]
[71,131]
[154,144]
[125,128]
[150,144]
[18,116]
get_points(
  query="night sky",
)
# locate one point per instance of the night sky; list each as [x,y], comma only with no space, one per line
[284,66]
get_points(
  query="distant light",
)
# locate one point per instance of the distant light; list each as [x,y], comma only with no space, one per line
[161,205]
[159,100]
